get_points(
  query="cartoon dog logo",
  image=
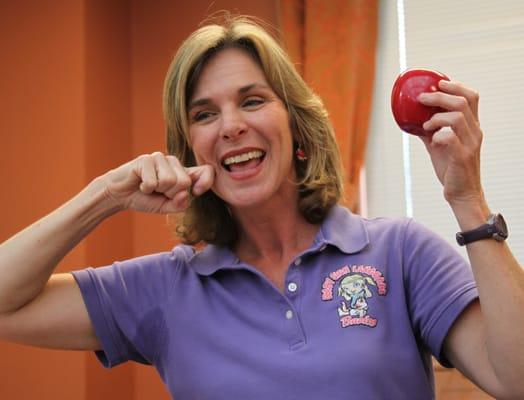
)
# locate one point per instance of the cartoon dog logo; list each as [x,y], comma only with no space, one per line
[354,290]
[354,284]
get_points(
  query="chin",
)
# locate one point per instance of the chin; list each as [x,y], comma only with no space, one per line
[240,198]
[257,192]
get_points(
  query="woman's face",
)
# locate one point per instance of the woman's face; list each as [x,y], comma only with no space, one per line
[239,126]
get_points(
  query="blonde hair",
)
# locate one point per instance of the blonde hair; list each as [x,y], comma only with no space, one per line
[319,177]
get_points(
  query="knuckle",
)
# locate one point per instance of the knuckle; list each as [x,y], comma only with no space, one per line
[149,184]
[478,138]
[168,180]
[462,103]
[171,157]
[458,119]
[437,117]
[439,95]
[158,157]
[143,157]
[173,161]
[184,181]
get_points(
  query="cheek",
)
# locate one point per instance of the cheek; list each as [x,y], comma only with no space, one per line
[200,146]
[276,118]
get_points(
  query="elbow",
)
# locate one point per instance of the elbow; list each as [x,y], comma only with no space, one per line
[510,390]
[517,394]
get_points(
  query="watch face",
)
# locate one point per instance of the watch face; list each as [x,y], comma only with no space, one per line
[501,229]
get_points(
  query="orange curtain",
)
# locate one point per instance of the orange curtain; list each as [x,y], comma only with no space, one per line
[333,44]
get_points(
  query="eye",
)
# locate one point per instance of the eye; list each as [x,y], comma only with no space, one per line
[201,116]
[252,102]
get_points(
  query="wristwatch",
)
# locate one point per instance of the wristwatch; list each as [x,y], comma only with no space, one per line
[494,228]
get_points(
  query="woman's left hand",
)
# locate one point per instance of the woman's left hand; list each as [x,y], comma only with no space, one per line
[455,152]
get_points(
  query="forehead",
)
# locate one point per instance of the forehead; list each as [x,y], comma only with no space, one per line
[229,68]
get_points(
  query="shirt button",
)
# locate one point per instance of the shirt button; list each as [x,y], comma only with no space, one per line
[298,261]
[289,314]
[292,287]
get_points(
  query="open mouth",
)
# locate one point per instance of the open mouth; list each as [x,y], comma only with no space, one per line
[244,161]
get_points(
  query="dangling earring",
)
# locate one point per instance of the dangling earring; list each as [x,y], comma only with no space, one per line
[300,154]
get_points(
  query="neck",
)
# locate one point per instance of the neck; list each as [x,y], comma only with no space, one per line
[274,232]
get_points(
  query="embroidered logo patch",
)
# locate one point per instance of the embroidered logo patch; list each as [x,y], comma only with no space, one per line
[354,285]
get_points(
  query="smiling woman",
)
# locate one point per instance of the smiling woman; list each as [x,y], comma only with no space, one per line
[291,295]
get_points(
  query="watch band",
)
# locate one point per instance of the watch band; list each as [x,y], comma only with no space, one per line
[495,228]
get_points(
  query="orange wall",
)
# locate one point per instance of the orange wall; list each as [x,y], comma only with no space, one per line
[80,93]
[42,160]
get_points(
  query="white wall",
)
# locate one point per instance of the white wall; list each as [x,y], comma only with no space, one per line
[480,43]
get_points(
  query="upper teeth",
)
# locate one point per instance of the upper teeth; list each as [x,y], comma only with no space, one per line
[243,157]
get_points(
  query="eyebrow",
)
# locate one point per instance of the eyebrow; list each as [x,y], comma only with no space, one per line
[241,90]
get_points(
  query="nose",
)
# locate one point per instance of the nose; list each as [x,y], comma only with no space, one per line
[233,125]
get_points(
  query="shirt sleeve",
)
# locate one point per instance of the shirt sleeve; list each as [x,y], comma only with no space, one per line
[126,303]
[439,283]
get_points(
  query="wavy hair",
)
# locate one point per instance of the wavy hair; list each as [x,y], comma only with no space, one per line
[319,178]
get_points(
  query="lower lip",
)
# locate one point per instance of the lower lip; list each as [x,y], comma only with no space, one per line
[248,173]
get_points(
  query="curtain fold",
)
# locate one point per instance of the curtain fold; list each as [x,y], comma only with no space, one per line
[333,44]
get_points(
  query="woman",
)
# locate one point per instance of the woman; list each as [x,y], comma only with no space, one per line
[255,173]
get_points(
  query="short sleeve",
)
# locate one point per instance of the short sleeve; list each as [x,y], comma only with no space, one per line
[439,285]
[126,303]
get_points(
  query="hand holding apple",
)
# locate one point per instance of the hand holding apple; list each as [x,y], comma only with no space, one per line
[455,145]
[409,113]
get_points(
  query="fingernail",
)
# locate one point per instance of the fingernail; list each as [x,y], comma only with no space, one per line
[422,97]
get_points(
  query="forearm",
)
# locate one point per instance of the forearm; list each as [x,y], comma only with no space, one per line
[500,281]
[28,259]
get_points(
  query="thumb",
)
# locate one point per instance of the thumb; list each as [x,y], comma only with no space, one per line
[202,178]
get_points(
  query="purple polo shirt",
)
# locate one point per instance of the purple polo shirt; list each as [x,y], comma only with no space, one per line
[363,309]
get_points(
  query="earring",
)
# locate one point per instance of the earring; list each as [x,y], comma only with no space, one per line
[300,154]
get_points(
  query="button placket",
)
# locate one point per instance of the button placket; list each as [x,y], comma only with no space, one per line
[295,330]
[290,314]
[293,280]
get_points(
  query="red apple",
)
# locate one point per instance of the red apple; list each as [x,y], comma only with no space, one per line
[408,112]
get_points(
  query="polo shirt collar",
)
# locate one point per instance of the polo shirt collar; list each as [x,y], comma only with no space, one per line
[344,230]
[212,258]
[341,229]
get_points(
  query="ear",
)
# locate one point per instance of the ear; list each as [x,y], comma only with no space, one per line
[370,281]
